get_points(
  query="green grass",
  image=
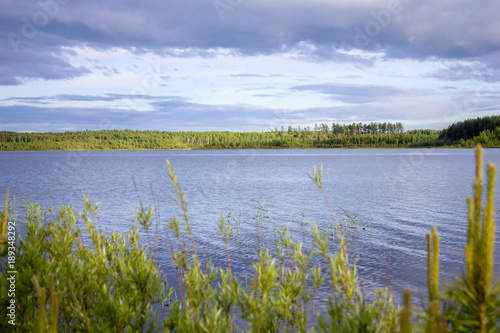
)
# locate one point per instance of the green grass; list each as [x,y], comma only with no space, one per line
[111,283]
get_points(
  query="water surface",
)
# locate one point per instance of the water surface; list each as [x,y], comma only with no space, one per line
[397,194]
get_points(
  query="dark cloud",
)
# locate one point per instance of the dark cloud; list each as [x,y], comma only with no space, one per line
[458,72]
[92,98]
[27,51]
[167,115]
[15,68]
[8,81]
[355,94]
[36,35]
[452,29]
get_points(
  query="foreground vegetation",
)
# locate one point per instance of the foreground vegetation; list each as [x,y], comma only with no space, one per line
[485,131]
[75,279]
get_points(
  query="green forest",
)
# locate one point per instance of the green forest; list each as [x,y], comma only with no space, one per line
[468,133]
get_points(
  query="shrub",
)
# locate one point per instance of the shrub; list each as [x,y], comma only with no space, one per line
[109,285]
[112,284]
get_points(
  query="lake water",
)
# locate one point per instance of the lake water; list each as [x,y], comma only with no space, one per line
[398,195]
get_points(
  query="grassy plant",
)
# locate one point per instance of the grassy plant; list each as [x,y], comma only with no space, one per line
[112,284]
[472,300]
[406,325]
[3,225]
[348,311]
[349,223]
[54,305]
[434,323]
[204,305]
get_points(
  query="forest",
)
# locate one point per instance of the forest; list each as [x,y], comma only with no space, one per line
[485,130]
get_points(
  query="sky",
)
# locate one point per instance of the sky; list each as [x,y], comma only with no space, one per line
[246,65]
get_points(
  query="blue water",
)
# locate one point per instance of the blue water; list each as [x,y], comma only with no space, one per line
[398,195]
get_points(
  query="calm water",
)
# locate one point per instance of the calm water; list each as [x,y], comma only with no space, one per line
[397,195]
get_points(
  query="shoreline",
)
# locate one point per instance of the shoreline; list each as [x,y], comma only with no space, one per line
[201,149]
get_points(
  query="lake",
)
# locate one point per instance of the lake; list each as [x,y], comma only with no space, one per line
[397,195]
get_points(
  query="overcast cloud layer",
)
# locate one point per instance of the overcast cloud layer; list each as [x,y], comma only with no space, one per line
[245,64]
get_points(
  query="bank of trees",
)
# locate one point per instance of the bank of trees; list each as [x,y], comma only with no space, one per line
[320,136]
[470,128]
[468,133]
[485,131]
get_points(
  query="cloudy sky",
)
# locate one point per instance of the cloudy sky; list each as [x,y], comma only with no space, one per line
[246,64]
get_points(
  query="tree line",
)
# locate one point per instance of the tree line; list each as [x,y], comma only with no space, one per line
[356,135]
[351,129]
[470,128]
[320,136]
